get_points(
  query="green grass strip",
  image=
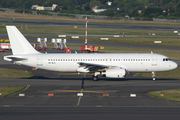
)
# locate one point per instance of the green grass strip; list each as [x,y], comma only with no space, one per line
[9,90]
[170,95]
[13,73]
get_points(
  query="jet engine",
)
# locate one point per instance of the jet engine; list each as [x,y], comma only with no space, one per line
[115,73]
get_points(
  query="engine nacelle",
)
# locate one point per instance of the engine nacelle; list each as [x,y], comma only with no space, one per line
[115,73]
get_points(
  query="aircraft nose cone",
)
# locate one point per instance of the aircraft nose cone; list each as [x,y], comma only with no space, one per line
[175,65]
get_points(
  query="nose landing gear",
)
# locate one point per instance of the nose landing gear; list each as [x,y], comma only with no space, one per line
[153,76]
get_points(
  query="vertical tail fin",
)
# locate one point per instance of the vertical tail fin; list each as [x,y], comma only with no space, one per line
[19,44]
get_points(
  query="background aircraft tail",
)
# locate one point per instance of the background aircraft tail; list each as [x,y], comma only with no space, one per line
[19,44]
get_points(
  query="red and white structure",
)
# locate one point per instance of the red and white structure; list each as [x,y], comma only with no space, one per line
[57,43]
[42,43]
[6,46]
[86,35]
[85,48]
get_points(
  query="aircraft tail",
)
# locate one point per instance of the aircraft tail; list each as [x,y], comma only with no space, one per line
[19,44]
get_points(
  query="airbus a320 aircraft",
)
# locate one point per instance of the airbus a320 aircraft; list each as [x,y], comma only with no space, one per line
[111,65]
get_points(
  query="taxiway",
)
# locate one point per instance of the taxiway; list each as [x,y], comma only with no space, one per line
[104,99]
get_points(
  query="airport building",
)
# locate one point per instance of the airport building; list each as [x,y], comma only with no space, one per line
[36,7]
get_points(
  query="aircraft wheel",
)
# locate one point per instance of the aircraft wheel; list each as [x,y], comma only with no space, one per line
[95,78]
[153,76]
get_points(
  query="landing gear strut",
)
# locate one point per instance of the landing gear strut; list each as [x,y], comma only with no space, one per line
[153,76]
[95,78]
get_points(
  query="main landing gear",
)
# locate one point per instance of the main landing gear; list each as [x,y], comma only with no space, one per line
[95,78]
[153,76]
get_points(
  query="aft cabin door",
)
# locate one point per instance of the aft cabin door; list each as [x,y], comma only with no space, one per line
[39,61]
[154,60]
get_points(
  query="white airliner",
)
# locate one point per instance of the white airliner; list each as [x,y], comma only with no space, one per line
[111,65]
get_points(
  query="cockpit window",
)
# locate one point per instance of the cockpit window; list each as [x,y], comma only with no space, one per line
[166,59]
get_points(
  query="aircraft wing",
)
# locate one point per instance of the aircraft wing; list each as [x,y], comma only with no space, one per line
[94,67]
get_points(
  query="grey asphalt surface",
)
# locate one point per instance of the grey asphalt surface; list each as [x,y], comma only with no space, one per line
[104,43]
[65,92]
[90,25]
[5,36]
[89,113]
[65,104]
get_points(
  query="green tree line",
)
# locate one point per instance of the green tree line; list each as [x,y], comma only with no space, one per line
[132,8]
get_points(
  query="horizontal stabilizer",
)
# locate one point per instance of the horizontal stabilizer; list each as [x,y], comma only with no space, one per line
[14,58]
